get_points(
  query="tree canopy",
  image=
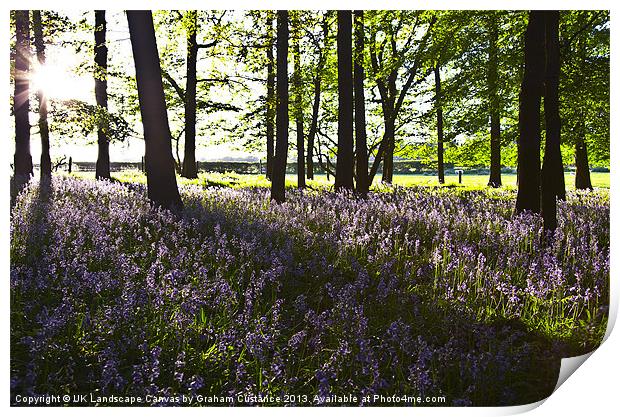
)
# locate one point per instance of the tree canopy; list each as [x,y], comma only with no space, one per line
[228,98]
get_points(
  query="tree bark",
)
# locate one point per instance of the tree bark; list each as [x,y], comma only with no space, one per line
[553,187]
[389,118]
[46,162]
[344,156]
[189,155]
[495,177]
[582,167]
[361,147]
[528,195]
[21,104]
[387,174]
[271,99]
[161,179]
[299,115]
[439,109]
[279,163]
[102,168]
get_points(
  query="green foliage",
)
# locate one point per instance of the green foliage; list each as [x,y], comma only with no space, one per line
[461,47]
[74,118]
[402,47]
[584,82]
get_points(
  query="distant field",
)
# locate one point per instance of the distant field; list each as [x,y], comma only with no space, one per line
[599,179]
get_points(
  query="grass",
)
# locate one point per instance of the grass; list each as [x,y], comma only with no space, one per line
[231,179]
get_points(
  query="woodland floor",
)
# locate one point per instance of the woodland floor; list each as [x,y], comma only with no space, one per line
[429,291]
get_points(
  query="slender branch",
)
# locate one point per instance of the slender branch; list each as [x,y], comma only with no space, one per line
[414,70]
[174,84]
[320,132]
[377,160]
[207,45]
[225,80]
[324,167]
[177,139]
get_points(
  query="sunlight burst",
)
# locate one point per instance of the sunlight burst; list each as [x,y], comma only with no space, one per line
[60,84]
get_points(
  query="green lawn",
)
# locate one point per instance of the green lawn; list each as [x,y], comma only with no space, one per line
[599,179]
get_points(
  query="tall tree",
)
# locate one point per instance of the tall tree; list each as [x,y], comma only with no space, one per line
[189,169]
[271,98]
[361,147]
[439,110]
[160,175]
[21,103]
[495,177]
[279,164]
[102,169]
[344,157]
[552,184]
[582,166]
[188,98]
[299,110]
[39,43]
[322,51]
[528,195]
[398,53]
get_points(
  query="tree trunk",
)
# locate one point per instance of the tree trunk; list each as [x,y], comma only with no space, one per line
[299,114]
[344,156]
[582,167]
[553,187]
[21,104]
[313,126]
[361,148]
[528,195]
[102,168]
[178,164]
[279,163]
[46,162]
[389,118]
[160,176]
[271,99]
[387,175]
[438,105]
[495,177]
[189,155]
[379,156]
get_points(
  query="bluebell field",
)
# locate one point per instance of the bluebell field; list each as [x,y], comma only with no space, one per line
[417,291]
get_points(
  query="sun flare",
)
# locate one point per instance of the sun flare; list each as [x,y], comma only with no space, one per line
[60,84]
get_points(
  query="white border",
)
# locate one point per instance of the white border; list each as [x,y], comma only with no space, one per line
[591,391]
